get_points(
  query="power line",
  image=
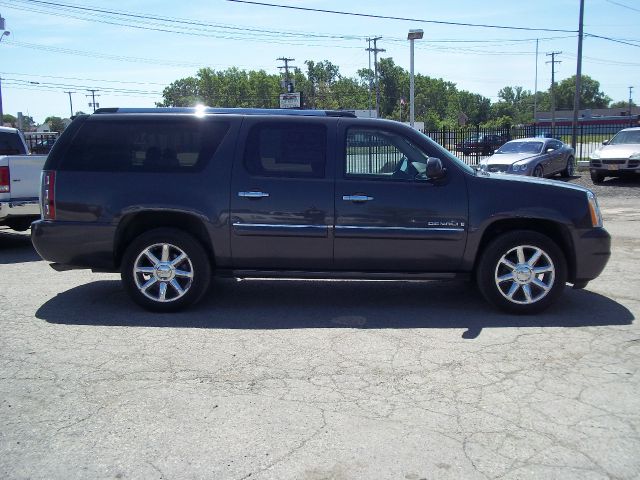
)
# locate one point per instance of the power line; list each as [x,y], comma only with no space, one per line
[612,39]
[623,5]
[405,19]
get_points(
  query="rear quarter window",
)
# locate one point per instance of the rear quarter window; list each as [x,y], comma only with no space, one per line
[11,144]
[146,145]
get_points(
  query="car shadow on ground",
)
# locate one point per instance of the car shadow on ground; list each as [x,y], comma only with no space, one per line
[291,304]
[16,248]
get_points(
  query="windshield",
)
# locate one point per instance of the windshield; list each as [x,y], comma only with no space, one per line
[521,147]
[630,136]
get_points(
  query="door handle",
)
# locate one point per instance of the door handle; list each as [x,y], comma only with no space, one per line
[253,194]
[357,198]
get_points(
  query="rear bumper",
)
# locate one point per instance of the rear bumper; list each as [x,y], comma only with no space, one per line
[75,244]
[28,207]
[593,249]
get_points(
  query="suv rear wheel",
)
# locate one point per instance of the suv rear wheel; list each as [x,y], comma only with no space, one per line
[165,270]
[522,272]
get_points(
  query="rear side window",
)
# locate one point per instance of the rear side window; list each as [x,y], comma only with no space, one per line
[11,144]
[148,145]
[286,150]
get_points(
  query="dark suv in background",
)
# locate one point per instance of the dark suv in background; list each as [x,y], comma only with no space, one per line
[168,196]
[483,144]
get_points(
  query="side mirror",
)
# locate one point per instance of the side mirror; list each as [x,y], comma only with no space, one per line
[605,142]
[435,170]
[549,150]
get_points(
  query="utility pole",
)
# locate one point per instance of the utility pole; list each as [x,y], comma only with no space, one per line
[630,101]
[369,51]
[535,91]
[375,51]
[93,98]
[553,90]
[70,103]
[576,98]
[286,71]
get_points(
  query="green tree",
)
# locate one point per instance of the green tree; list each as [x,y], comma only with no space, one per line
[55,123]
[624,104]
[8,119]
[590,94]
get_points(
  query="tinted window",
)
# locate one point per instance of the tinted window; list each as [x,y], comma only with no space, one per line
[154,145]
[630,136]
[286,150]
[10,144]
[382,154]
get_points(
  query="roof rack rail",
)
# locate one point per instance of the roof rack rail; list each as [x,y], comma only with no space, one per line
[237,111]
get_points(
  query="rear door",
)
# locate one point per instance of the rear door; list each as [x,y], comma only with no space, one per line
[389,217]
[282,193]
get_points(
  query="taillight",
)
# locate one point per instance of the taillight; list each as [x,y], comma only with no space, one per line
[5,180]
[48,195]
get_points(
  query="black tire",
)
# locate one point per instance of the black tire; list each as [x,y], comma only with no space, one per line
[538,171]
[19,224]
[569,169]
[490,268]
[196,262]
[597,177]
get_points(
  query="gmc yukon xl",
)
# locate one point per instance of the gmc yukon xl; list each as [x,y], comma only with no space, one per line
[169,196]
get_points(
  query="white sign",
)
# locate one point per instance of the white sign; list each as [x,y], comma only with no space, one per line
[290,100]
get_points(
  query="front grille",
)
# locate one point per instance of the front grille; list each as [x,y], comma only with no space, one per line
[614,162]
[498,168]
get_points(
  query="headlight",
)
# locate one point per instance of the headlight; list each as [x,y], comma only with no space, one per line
[594,210]
[595,155]
[635,156]
[519,167]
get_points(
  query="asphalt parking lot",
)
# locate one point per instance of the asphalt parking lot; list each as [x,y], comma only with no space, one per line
[320,380]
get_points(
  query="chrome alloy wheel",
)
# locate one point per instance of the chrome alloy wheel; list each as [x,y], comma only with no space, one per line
[525,274]
[163,272]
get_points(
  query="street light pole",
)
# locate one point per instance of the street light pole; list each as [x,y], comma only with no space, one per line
[5,33]
[413,35]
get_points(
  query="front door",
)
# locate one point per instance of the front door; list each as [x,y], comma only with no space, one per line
[282,194]
[389,216]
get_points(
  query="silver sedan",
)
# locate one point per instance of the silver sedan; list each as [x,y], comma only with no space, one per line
[537,157]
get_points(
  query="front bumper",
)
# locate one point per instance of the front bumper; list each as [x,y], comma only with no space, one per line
[614,166]
[28,207]
[592,250]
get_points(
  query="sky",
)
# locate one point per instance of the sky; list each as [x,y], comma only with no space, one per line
[63,46]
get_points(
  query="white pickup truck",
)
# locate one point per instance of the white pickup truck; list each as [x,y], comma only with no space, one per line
[19,181]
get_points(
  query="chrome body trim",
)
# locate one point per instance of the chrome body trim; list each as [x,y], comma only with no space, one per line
[253,194]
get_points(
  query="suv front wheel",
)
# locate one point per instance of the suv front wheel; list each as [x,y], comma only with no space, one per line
[165,270]
[522,272]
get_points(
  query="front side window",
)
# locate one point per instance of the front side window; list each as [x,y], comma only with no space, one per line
[286,150]
[382,154]
[147,145]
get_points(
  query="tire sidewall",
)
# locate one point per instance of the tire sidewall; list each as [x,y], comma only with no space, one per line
[536,169]
[194,250]
[485,274]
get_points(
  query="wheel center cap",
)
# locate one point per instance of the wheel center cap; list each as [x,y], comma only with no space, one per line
[164,272]
[523,274]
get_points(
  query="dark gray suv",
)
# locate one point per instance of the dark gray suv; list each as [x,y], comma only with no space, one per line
[169,196]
